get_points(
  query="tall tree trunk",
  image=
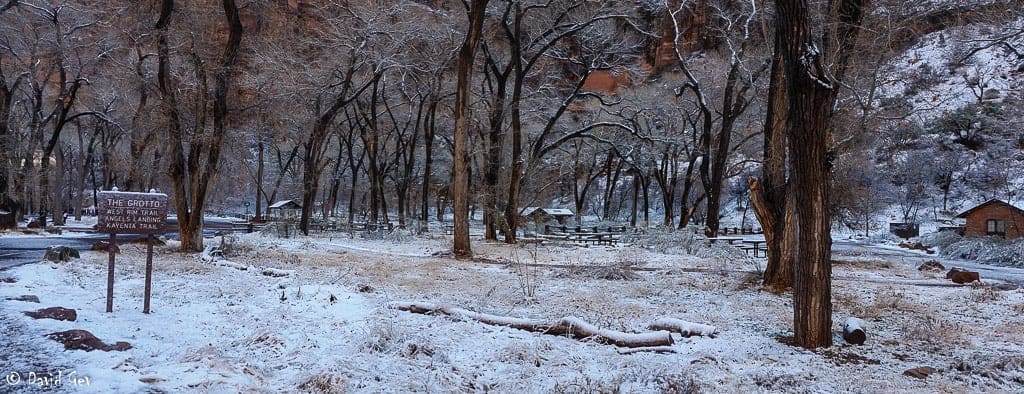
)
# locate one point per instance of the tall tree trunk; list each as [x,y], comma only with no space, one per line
[8,206]
[812,93]
[428,163]
[685,209]
[84,162]
[636,199]
[611,180]
[768,195]
[58,187]
[464,68]
[645,184]
[258,211]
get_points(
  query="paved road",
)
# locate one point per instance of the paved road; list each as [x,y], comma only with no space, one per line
[915,258]
[22,250]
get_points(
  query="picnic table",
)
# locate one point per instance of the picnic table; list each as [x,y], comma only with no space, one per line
[755,246]
[730,240]
[610,239]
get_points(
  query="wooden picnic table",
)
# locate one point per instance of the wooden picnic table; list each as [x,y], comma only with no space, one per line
[730,240]
[596,238]
[755,246]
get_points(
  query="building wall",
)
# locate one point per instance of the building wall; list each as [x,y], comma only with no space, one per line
[976,221]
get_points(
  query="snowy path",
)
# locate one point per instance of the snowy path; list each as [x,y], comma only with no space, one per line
[23,362]
[913,258]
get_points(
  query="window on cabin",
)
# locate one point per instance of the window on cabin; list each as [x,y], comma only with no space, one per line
[995,227]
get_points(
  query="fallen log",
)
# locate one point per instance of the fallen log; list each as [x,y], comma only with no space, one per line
[653,349]
[684,328]
[566,326]
[853,331]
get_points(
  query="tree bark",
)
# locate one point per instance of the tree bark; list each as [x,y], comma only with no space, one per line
[428,162]
[812,95]
[257,215]
[768,195]
[8,206]
[464,68]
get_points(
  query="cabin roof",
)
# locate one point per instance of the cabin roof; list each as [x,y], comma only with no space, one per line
[994,201]
[285,204]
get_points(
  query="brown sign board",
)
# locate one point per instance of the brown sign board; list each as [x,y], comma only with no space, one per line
[131,213]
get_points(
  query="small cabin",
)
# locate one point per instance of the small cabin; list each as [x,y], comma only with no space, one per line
[284,210]
[544,215]
[994,218]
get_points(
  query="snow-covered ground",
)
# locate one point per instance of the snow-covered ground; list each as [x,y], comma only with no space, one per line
[327,326]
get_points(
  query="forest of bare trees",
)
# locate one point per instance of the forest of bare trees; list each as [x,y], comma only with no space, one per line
[406,111]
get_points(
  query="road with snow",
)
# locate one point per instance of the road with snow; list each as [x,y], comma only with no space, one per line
[914,258]
[18,250]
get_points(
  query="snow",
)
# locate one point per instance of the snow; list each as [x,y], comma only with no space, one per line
[329,324]
[853,324]
[959,79]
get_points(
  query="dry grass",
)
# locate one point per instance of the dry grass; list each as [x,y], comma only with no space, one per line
[938,331]
[981,294]
[325,383]
[863,264]
[892,300]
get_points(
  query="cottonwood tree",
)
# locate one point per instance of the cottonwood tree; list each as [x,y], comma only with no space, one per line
[813,71]
[475,14]
[195,144]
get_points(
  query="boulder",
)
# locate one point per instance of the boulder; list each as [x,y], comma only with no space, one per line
[24,298]
[961,276]
[55,313]
[8,280]
[919,372]
[104,246]
[84,340]
[931,266]
[60,253]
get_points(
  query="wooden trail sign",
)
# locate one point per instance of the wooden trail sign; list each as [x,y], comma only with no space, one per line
[131,213]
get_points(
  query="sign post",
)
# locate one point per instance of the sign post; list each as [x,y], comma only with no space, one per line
[131,213]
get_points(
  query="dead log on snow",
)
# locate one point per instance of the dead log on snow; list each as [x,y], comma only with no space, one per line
[683,327]
[654,349]
[566,326]
[853,331]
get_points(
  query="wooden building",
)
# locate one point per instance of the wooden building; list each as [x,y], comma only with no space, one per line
[284,210]
[543,215]
[994,218]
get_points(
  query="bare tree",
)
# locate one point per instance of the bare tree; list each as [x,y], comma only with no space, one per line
[193,172]
[813,88]
[717,145]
